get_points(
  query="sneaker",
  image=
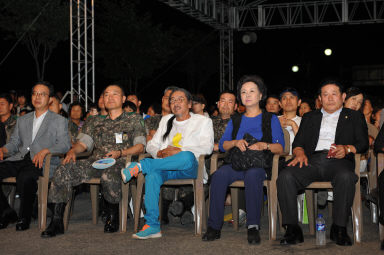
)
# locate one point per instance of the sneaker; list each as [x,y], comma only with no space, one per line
[131,170]
[148,232]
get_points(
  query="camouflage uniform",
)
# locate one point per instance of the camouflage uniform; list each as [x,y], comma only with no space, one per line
[10,125]
[102,131]
[219,126]
[74,129]
[152,123]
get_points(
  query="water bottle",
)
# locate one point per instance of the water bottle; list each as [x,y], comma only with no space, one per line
[320,230]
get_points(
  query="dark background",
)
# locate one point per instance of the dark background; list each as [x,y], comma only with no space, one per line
[272,57]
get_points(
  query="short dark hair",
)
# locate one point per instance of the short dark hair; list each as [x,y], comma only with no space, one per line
[353,91]
[156,107]
[117,85]
[328,82]
[309,101]
[55,96]
[171,88]
[227,91]
[256,80]
[130,105]
[199,98]
[46,84]
[7,97]
[291,90]
[273,96]
[77,104]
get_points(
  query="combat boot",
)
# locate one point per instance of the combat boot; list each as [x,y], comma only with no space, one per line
[112,222]
[56,226]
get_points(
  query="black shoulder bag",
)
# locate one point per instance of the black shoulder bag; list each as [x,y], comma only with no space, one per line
[242,161]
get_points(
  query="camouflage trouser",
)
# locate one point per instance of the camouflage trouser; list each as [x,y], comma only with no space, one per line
[73,174]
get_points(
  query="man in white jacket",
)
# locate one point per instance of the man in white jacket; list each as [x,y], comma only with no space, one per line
[177,144]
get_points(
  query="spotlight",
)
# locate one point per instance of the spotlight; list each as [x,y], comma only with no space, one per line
[295,68]
[328,52]
[249,37]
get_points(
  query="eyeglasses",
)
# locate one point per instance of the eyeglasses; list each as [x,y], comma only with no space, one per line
[39,94]
[179,100]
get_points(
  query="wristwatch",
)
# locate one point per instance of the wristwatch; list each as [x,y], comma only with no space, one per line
[268,147]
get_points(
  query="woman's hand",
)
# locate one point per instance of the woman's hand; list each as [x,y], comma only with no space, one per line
[259,146]
[241,144]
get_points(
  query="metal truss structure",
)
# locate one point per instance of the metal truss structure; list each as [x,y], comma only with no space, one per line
[226,59]
[309,14]
[226,16]
[82,51]
[250,15]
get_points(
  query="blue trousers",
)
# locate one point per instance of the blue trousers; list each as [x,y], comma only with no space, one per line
[253,181]
[182,165]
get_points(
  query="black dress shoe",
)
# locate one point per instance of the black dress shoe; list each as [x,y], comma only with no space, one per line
[211,234]
[382,245]
[253,236]
[9,217]
[22,224]
[293,235]
[339,235]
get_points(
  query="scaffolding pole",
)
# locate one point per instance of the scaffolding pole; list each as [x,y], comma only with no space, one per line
[82,51]
[226,59]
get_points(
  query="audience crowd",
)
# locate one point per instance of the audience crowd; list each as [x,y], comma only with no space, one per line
[325,131]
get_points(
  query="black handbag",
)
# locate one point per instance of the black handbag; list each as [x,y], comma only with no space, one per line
[244,160]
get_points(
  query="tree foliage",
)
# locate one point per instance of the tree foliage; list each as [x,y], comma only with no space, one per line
[41,24]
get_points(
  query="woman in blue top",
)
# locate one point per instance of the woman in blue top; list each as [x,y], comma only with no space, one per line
[251,90]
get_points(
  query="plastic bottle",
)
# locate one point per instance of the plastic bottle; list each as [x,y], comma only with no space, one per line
[320,230]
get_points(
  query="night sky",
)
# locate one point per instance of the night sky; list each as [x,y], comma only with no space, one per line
[272,57]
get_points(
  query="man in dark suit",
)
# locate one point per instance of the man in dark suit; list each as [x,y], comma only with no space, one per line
[347,131]
[35,135]
[3,134]
[379,148]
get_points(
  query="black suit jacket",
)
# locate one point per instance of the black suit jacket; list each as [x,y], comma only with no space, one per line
[3,135]
[351,130]
[379,142]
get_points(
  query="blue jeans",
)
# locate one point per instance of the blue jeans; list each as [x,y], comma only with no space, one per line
[253,181]
[182,165]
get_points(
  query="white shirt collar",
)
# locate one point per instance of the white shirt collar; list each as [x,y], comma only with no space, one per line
[41,116]
[331,114]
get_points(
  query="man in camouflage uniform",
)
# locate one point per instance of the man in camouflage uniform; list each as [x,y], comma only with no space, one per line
[9,121]
[227,106]
[116,136]
[152,123]
[6,117]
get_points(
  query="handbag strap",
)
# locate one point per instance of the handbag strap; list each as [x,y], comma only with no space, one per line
[265,126]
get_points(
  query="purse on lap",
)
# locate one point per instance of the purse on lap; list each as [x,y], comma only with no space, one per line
[244,160]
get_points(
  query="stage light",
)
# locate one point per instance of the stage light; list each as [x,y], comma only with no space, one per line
[295,68]
[328,52]
[249,37]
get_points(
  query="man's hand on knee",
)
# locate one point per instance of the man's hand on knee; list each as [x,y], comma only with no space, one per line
[70,156]
[300,158]
[38,159]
